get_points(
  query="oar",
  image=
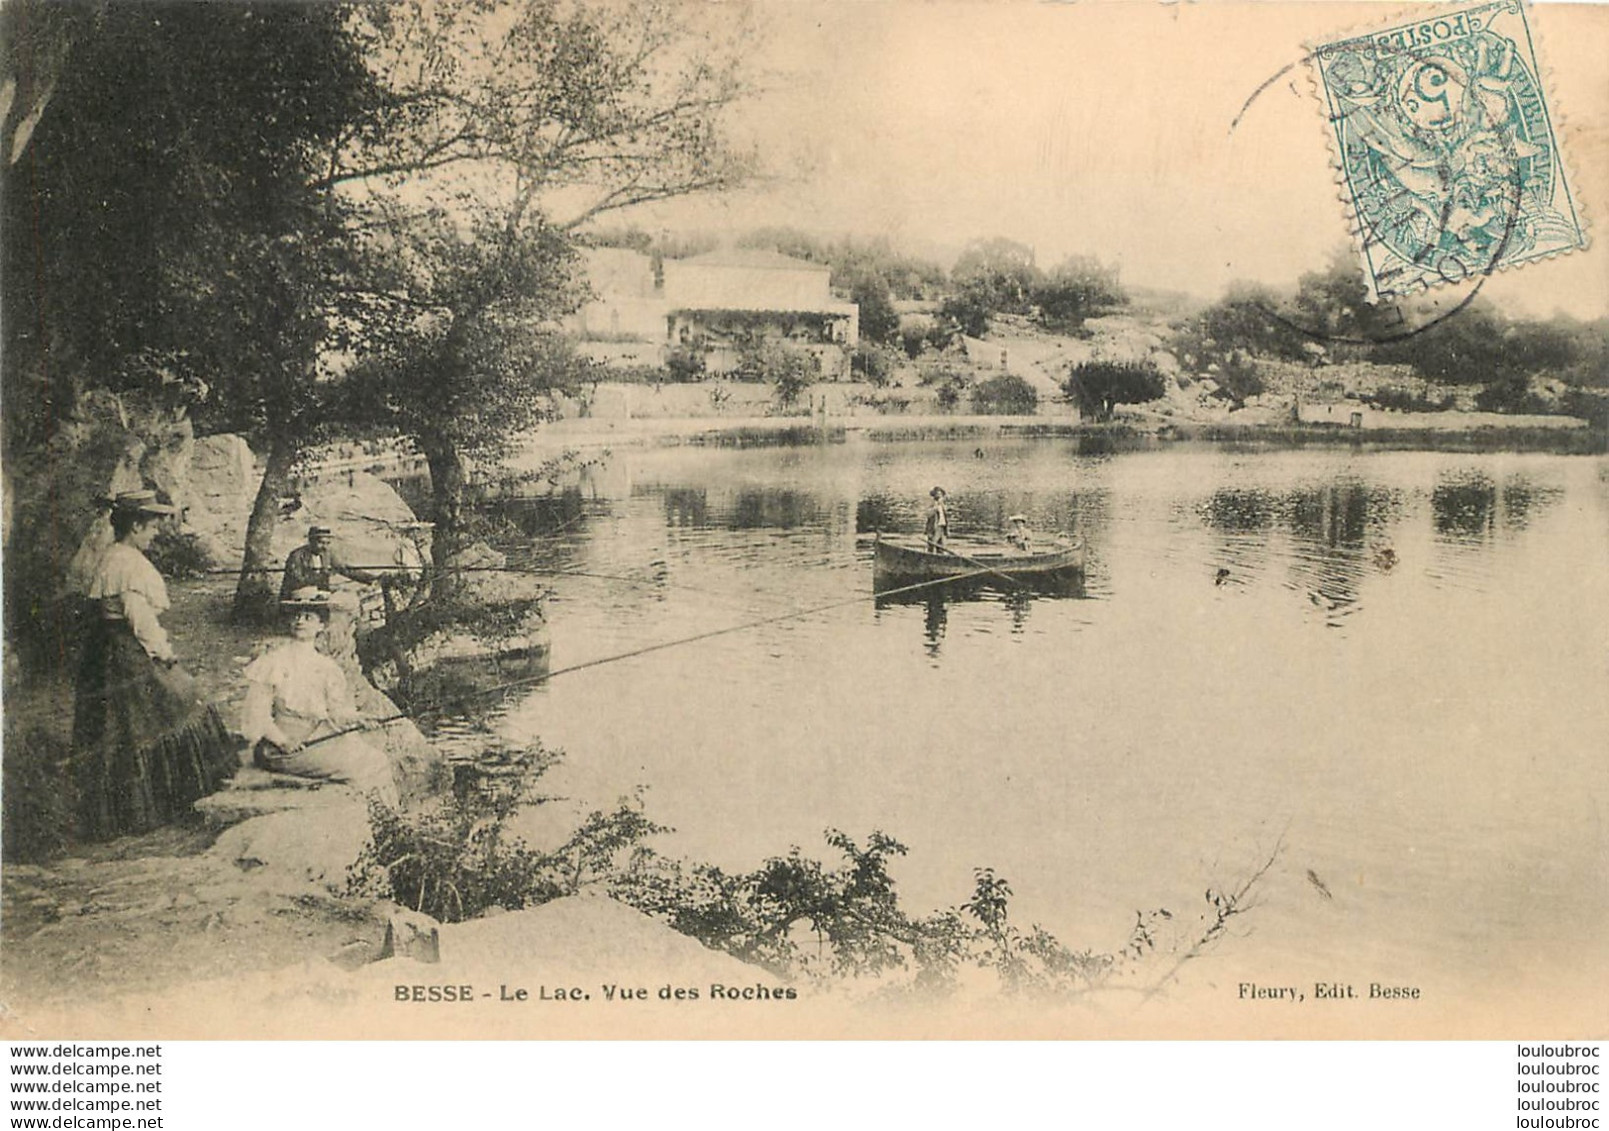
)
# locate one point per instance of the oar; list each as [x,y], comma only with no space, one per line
[981,565]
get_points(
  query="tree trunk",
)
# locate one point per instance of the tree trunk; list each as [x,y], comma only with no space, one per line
[447,492]
[257,593]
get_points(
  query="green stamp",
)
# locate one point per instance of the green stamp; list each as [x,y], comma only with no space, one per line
[1447,151]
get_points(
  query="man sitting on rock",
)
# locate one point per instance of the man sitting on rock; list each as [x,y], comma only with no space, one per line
[315,565]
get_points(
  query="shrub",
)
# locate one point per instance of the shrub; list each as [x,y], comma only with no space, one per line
[685,363]
[1397,399]
[872,364]
[1005,395]
[1098,387]
[790,368]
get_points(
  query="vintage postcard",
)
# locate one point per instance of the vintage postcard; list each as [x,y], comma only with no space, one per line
[626,518]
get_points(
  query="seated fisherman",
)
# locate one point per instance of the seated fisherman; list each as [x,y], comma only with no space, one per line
[299,716]
[316,564]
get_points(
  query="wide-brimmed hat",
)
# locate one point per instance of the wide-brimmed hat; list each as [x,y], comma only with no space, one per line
[139,502]
[319,532]
[1017,518]
[937,491]
[309,598]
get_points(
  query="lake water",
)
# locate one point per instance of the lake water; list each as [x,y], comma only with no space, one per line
[1427,735]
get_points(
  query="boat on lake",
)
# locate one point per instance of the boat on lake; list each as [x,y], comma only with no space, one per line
[907,561]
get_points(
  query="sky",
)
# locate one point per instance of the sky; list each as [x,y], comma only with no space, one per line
[1125,130]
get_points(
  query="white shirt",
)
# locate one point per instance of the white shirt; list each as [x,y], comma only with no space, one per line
[292,689]
[129,588]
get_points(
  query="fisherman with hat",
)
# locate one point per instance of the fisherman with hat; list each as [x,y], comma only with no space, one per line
[299,717]
[145,748]
[937,527]
[316,563]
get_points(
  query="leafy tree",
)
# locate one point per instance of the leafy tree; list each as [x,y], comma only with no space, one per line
[1250,318]
[993,276]
[167,232]
[790,368]
[1098,387]
[879,322]
[525,125]
[1005,395]
[1077,289]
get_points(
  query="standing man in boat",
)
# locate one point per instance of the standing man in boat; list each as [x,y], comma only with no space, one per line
[938,521]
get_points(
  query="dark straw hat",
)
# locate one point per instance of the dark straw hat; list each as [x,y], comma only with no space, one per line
[139,502]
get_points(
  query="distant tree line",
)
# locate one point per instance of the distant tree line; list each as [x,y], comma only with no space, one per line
[1328,318]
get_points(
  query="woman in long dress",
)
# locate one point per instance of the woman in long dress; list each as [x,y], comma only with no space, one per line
[145,747]
[299,714]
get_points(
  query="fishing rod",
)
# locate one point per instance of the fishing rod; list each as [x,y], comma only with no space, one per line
[543,677]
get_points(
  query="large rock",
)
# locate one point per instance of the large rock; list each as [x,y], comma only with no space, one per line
[298,847]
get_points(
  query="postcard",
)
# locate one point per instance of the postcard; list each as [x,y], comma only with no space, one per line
[623,519]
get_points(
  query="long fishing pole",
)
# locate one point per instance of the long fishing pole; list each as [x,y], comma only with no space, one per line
[543,677]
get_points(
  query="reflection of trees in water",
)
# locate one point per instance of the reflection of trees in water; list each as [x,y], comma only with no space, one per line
[1470,506]
[751,508]
[1331,523]
[775,508]
[1238,509]
[539,516]
[687,507]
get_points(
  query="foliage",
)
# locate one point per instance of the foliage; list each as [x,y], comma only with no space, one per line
[1395,398]
[795,915]
[179,555]
[685,363]
[1078,288]
[1249,319]
[457,861]
[873,364]
[1006,395]
[791,368]
[994,276]
[501,134]
[1098,387]
[1238,378]
[170,233]
[165,226]
[878,320]
[853,262]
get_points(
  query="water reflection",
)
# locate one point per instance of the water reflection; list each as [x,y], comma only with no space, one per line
[1468,506]
[1017,598]
[1338,530]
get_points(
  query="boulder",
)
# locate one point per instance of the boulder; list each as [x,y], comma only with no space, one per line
[296,847]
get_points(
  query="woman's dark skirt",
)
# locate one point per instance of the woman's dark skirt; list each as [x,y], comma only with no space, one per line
[145,748]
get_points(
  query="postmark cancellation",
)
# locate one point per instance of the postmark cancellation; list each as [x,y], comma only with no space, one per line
[1446,148]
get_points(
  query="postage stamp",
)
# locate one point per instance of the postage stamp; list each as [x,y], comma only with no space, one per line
[1447,149]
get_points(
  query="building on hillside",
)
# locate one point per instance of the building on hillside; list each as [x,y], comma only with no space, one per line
[720,305]
[624,321]
[726,302]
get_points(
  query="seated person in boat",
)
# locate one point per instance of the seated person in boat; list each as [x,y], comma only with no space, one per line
[1018,536]
[299,715]
[937,528]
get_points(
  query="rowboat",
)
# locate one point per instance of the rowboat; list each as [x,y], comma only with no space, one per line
[908,561]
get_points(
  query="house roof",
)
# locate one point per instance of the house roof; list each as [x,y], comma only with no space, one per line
[751,259]
[763,306]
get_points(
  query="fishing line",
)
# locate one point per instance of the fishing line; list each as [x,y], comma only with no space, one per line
[543,677]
